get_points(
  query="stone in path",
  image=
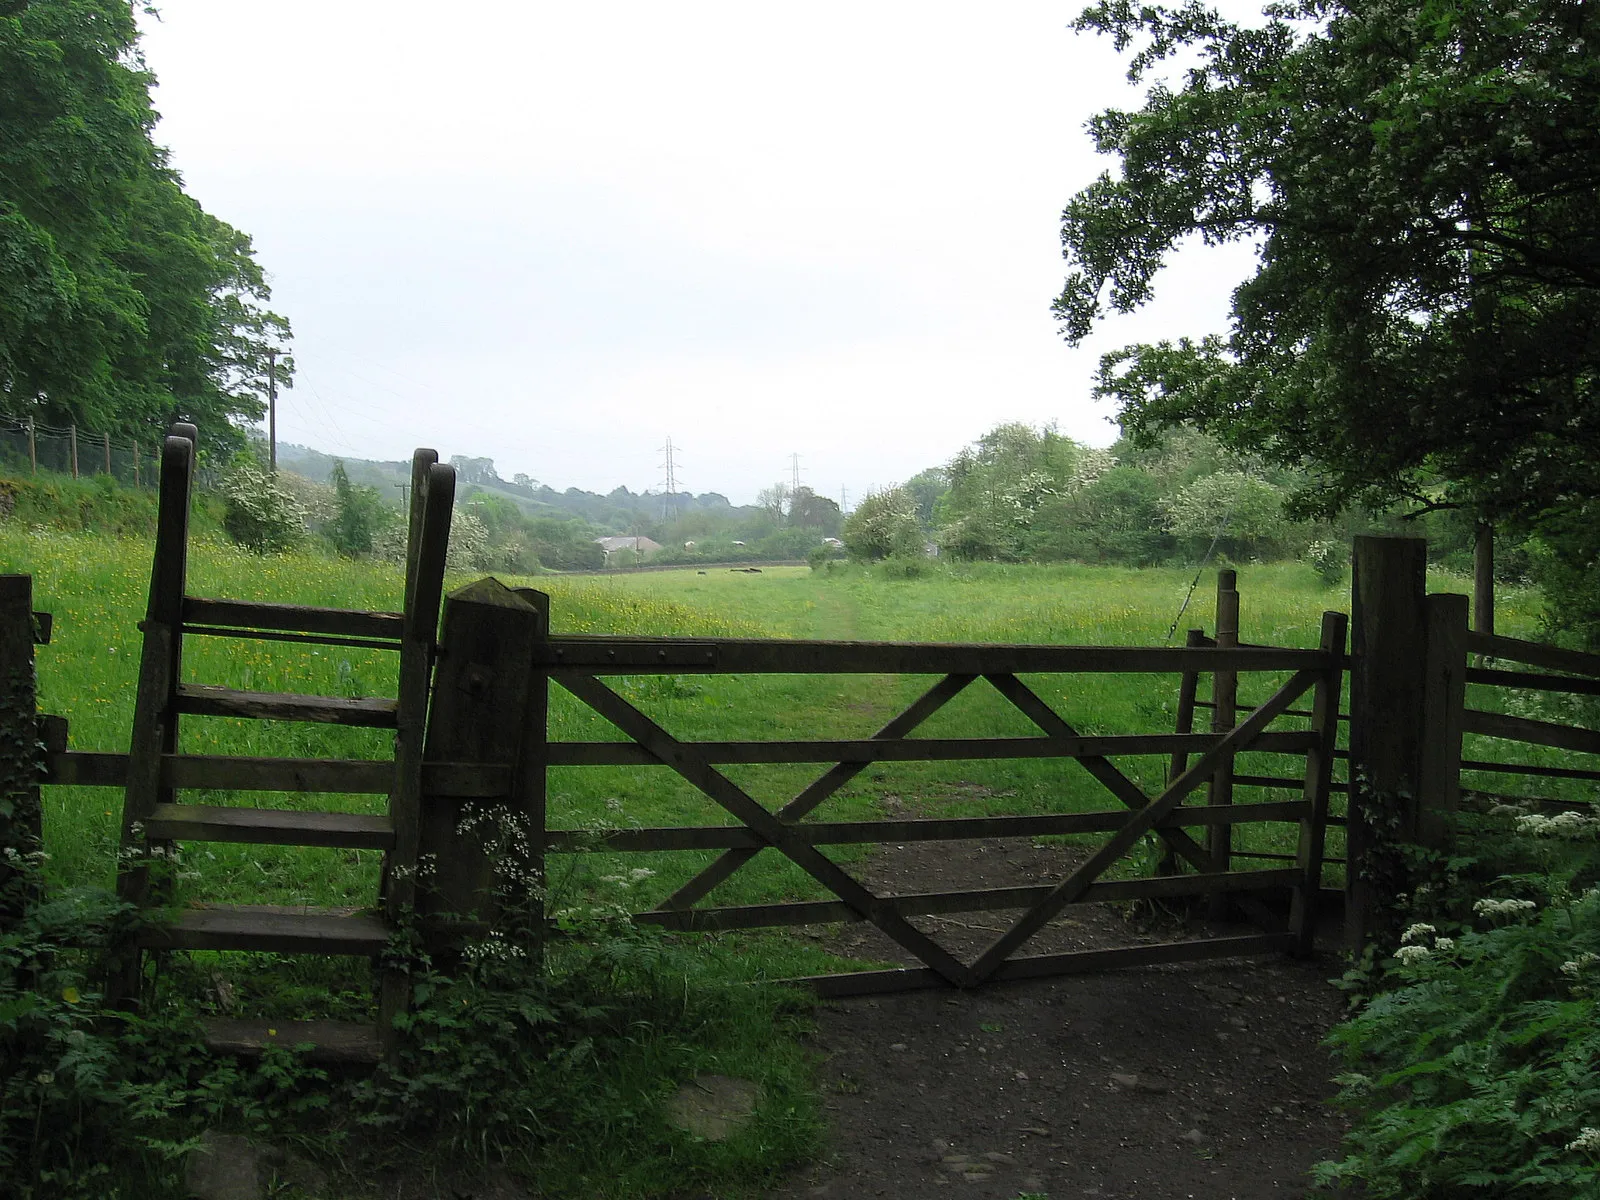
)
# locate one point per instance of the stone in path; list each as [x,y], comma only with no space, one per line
[713,1106]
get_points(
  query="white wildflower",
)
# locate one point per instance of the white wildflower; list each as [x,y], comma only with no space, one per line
[1417,932]
[1444,943]
[1576,966]
[1570,826]
[1588,1140]
[1503,908]
[1409,956]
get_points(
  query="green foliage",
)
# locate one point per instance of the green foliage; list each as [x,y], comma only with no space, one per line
[1452,145]
[122,303]
[1244,515]
[359,515]
[1115,519]
[98,504]
[1421,325]
[998,486]
[259,514]
[883,525]
[1329,560]
[565,1073]
[1479,1071]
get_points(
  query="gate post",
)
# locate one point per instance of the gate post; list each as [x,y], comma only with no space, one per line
[1444,702]
[489,707]
[1224,698]
[1389,632]
[21,824]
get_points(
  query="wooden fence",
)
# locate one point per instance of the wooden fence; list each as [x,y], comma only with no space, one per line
[1412,660]
[489,725]
[581,665]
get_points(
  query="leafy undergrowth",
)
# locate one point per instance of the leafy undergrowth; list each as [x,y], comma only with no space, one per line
[1476,1069]
[559,1076]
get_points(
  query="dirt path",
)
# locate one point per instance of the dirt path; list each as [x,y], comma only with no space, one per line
[1202,1080]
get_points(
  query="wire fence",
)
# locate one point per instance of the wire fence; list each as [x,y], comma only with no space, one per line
[27,448]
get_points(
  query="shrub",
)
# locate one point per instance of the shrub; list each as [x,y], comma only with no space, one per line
[884,525]
[259,514]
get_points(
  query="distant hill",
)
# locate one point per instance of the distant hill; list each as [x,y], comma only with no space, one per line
[619,510]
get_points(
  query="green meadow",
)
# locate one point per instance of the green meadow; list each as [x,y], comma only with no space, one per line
[96,589]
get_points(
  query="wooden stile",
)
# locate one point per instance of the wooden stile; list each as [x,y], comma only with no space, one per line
[153,770]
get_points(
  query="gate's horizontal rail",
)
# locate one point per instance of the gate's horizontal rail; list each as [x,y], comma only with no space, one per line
[356,776]
[1469,764]
[1535,654]
[1534,681]
[867,750]
[838,833]
[1526,729]
[1038,966]
[599,654]
[820,912]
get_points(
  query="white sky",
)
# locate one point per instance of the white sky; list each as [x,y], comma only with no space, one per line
[556,233]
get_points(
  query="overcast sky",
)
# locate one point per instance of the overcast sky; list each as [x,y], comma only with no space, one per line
[558,234]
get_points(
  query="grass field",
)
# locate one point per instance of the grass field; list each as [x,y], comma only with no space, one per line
[96,589]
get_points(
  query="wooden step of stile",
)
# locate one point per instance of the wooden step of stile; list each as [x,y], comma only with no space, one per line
[269,827]
[330,1042]
[205,699]
[272,928]
[200,613]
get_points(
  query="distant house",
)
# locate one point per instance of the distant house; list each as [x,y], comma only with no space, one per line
[631,548]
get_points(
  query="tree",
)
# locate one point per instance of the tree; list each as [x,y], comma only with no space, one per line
[883,525]
[1421,180]
[817,513]
[997,486]
[474,470]
[775,501]
[123,305]
[359,514]
[1241,514]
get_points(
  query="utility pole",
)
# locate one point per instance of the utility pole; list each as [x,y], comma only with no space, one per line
[272,410]
[844,501]
[794,466]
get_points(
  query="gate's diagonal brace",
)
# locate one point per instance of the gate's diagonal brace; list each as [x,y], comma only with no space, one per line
[826,785]
[1103,770]
[1140,823]
[681,757]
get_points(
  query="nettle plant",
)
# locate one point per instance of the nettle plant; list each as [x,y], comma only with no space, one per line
[1478,1070]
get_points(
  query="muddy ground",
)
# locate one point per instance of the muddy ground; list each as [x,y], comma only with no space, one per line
[1204,1080]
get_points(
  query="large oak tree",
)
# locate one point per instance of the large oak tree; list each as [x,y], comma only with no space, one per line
[1422,182]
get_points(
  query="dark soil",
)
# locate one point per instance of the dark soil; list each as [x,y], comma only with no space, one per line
[1204,1080]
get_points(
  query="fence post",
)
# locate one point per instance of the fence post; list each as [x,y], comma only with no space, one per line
[106,440]
[72,441]
[1318,785]
[21,825]
[1444,700]
[1388,670]
[1224,697]
[1483,580]
[476,854]
[33,449]
[1188,686]
[136,464]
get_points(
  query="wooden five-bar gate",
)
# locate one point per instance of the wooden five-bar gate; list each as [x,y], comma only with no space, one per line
[482,683]
[580,664]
